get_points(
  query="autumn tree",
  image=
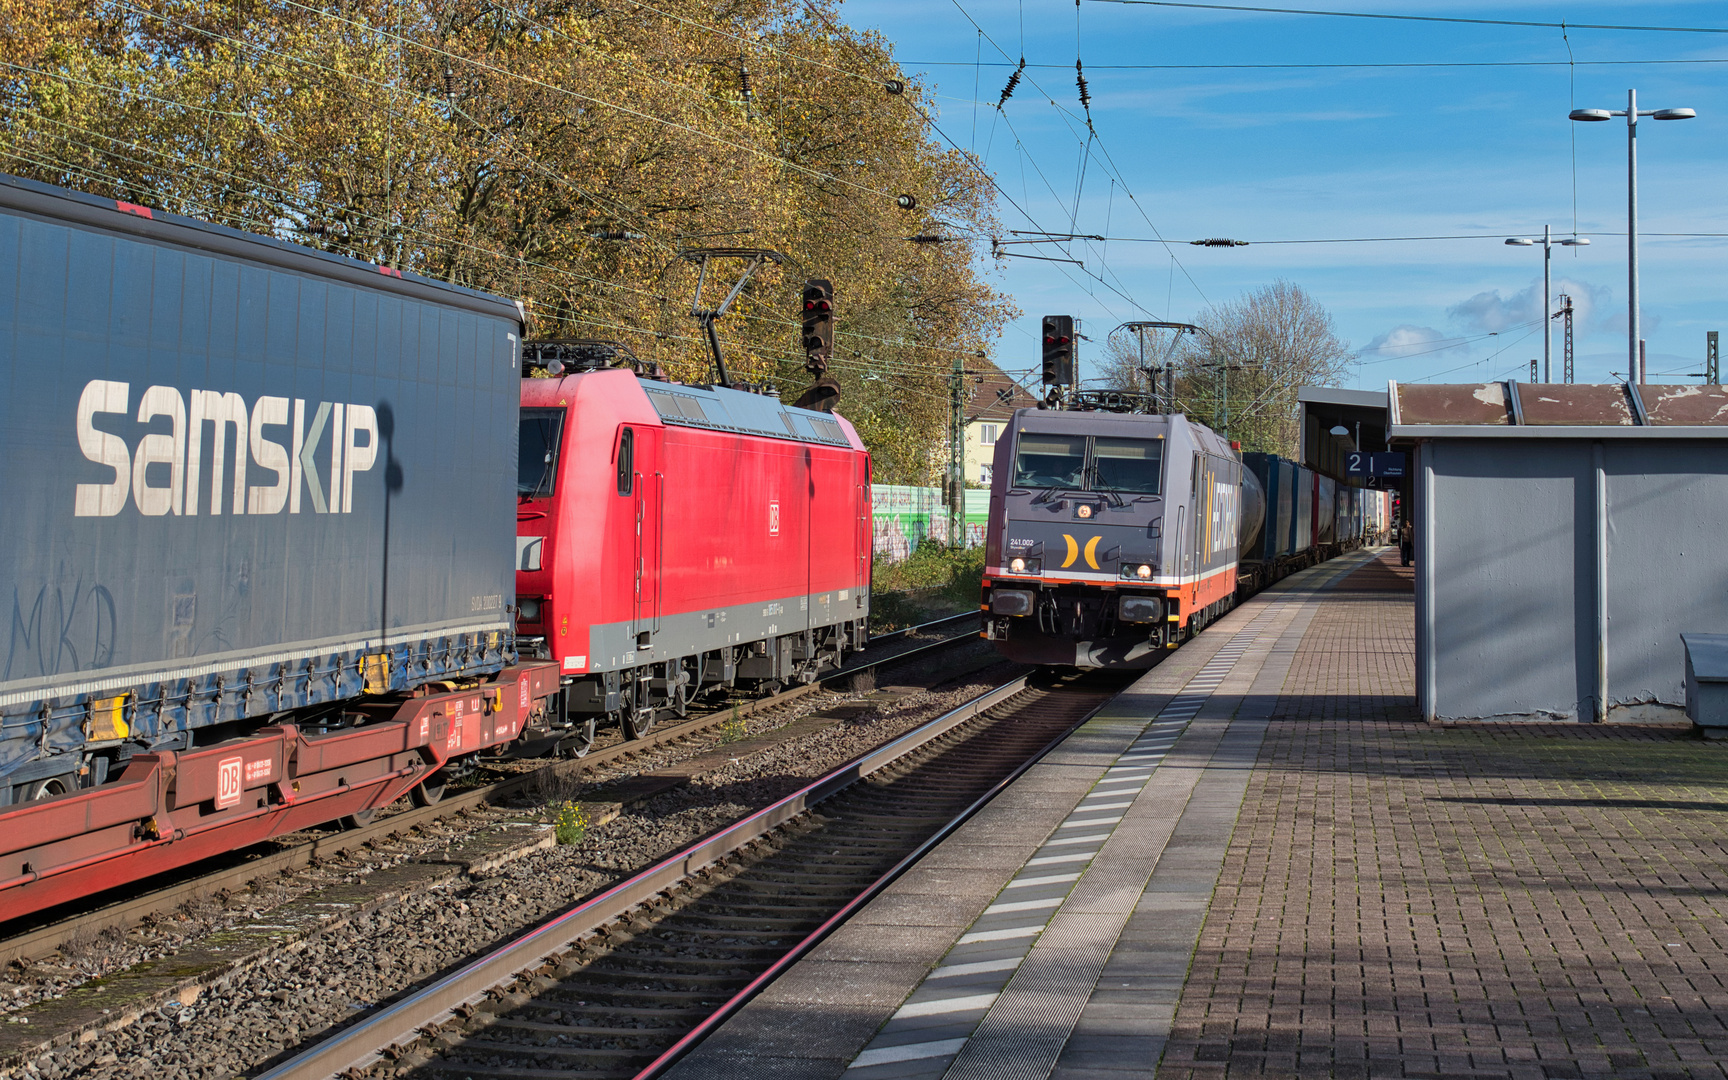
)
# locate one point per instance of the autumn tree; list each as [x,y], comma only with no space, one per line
[1246,365]
[559,152]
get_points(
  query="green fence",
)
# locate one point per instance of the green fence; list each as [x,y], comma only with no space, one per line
[906,516]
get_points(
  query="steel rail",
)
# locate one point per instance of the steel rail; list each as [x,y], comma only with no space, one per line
[400,1023]
[743,997]
[44,939]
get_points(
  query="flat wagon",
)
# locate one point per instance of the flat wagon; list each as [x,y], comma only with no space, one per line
[255,544]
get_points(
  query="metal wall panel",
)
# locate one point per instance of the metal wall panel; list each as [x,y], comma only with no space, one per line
[1506,561]
[1667,518]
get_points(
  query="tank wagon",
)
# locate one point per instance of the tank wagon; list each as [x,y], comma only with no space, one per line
[673,539]
[256,553]
[1113,537]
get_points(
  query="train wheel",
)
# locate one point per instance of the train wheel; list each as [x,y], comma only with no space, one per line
[360,820]
[430,791]
[47,789]
[580,741]
[639,721]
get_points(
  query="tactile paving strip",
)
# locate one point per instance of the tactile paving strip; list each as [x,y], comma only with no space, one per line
[931,1029]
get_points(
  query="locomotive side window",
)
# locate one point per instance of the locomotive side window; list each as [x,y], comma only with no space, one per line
[537,453]
[1133,466]
[1050,461]
[626,460]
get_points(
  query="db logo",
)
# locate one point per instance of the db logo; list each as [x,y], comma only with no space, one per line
[228,782]
[773,519]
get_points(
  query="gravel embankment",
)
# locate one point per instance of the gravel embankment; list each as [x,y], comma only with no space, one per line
[257,1014]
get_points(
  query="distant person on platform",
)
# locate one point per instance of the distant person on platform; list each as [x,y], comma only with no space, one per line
[1406,543]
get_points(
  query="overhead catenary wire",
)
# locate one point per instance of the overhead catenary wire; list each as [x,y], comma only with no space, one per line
[441,239]
[300,197]
[1454,19]
[493,69]
[1365,66]
[1103,149]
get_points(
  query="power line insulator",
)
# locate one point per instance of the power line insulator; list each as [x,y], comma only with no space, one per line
[894,86]
[1218,241]
[907,202]
[1013,81]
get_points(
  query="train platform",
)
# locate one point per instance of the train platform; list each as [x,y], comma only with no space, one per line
[1256,861]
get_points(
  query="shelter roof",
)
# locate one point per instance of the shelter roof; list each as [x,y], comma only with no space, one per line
[1558,410]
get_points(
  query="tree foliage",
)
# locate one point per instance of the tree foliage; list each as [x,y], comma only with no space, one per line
[1243,372]
[559,152]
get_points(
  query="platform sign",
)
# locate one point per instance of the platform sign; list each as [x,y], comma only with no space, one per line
[1361,463]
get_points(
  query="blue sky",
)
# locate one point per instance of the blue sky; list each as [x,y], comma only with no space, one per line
[1270,153]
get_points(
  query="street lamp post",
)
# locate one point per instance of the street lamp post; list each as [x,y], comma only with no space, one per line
[1631,113]
[1548,243]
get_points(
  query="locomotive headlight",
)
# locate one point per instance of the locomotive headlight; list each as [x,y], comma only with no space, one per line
[1143,571]
[1025,566]
[1011,602]
[528,609]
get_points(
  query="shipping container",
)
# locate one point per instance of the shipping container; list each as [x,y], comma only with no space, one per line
[240,477]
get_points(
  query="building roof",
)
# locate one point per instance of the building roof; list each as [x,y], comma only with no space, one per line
[996,396]
[1558,410]
[1332,395]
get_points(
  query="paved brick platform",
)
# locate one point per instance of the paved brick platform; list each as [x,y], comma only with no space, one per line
[1399,900]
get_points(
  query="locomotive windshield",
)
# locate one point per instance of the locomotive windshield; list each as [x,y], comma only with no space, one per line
[1050,461]
[1089,463]
[1131,466]
[537,460]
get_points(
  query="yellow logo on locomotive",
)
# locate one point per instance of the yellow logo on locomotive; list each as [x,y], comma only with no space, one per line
[1074,552]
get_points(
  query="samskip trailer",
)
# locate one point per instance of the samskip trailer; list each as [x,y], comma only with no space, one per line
[237,478]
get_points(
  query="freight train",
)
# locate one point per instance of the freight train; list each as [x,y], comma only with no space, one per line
[262,562]
[1113,537]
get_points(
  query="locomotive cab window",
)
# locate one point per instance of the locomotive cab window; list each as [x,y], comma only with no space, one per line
[1089,463]
[1129,466]
[537,453]
[626,460]
[1050,461]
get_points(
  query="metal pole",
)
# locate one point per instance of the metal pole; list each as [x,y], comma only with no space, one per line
[1140,336]
[1547,310]
[956,459]
[1632,235]
[1599,714]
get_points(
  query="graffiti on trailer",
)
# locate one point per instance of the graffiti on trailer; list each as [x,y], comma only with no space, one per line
[61,629]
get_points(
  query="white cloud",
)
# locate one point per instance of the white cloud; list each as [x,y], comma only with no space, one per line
[1491,313]
[1408,340]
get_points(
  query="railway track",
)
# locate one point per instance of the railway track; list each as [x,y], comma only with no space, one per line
[36,939]
[625,983]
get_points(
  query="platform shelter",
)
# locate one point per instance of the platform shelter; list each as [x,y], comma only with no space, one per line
[1566,536]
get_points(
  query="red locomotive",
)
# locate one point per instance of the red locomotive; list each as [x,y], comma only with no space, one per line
[673,539]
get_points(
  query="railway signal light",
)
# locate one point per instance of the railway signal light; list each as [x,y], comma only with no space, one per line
[1059,350]
[818,315]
